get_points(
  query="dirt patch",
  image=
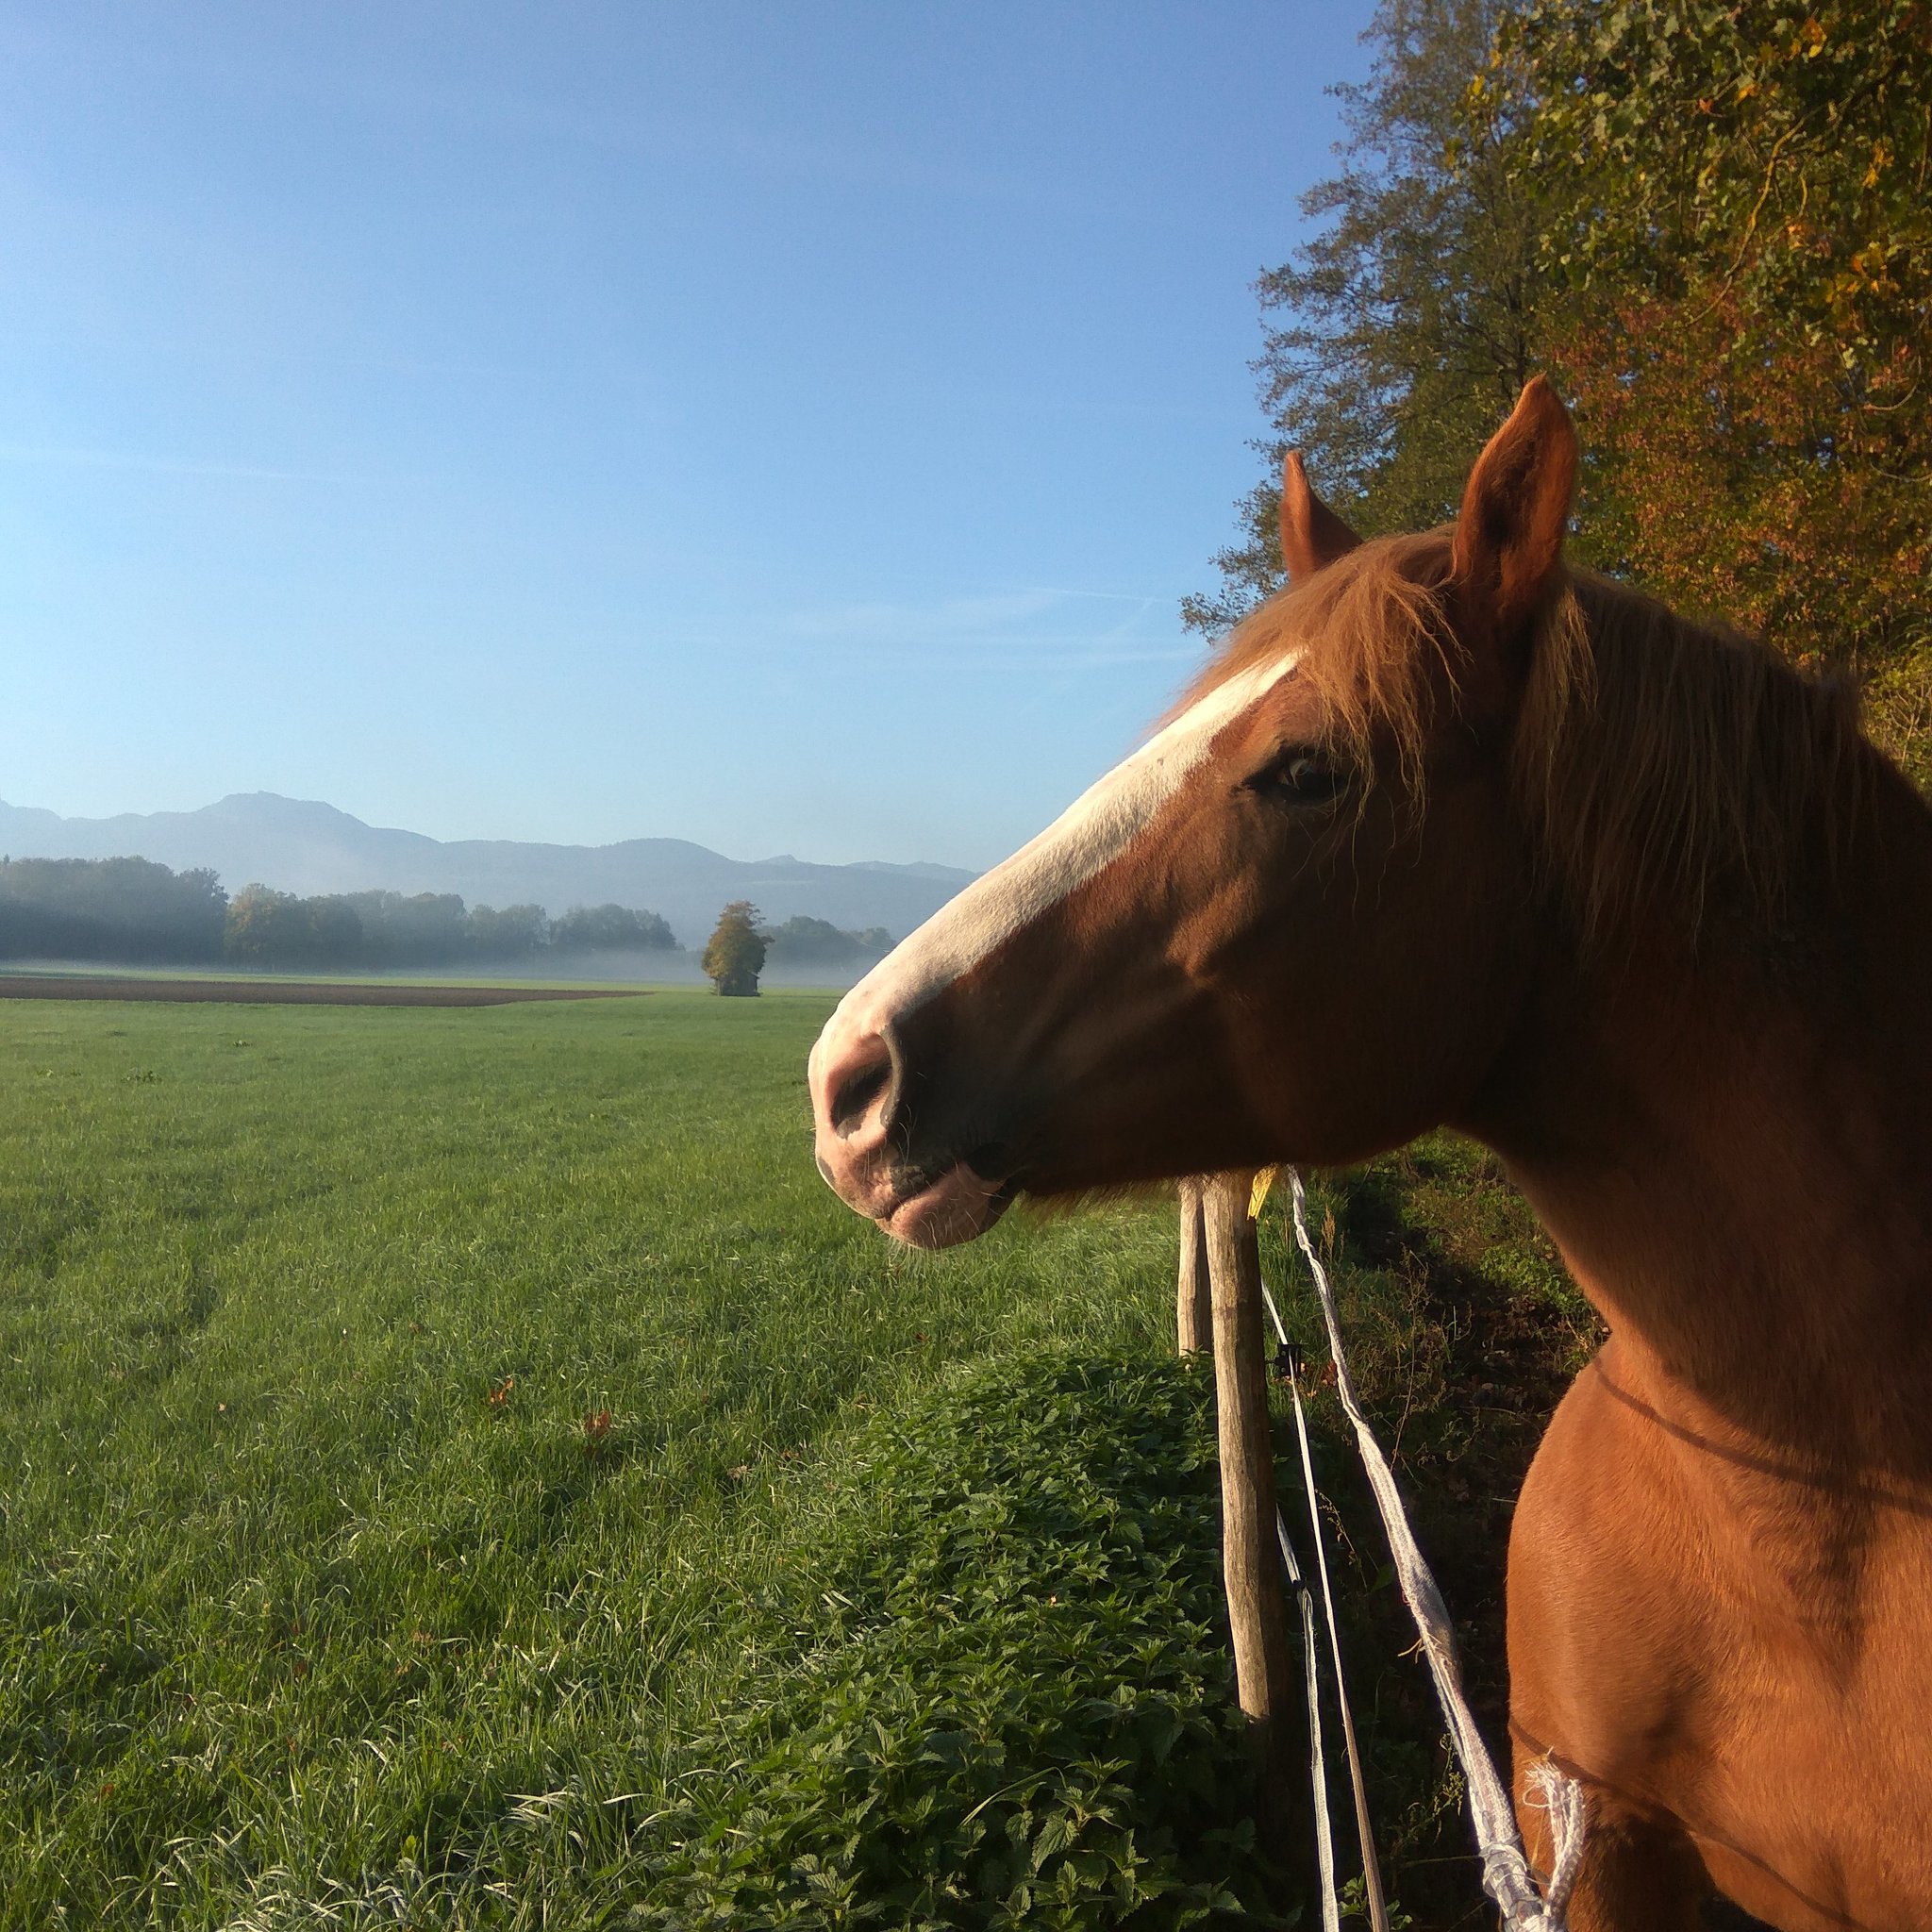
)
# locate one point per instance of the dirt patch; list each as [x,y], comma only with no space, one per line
[292,993]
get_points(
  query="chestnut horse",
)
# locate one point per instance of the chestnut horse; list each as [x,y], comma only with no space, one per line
[1452,833]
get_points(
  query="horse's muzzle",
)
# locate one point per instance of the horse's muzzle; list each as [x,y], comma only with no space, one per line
[854,1082]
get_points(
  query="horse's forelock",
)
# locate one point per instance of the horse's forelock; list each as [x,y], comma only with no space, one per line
[1368,632]
[1657,762]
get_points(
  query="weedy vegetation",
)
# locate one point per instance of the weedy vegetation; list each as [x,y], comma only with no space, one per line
[461,1469]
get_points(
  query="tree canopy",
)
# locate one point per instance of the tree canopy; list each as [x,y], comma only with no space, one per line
[131,909]
[1709,223]
[269,928]
[109,908]
[419,929]
[803,942]
[610,929]
[735,954]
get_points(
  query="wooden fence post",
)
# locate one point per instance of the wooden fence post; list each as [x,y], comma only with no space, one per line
[1194,1310]
[1271,1689]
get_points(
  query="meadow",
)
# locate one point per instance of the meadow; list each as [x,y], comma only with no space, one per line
[463,1469]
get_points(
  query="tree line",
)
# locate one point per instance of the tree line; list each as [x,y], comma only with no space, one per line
[133,911]
[380,930]
[1709,223]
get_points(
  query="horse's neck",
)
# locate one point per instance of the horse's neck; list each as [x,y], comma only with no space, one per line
[1736,1158]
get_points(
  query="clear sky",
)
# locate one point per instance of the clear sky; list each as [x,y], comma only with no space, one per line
[786,426]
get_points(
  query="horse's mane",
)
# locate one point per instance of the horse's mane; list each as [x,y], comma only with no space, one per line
[1658,762]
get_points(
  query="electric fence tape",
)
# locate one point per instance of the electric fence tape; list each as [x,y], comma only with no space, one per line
[1506,1876]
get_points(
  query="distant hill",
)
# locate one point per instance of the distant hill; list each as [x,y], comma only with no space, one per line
[302,845]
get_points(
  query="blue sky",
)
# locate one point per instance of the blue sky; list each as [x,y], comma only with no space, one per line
[790,428]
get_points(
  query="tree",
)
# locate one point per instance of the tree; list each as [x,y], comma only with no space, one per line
[1709,219]
[1399,335]
[513,932]
[805,942]
[109,908]
[333,935]
[264,928]
[418,929]
[269,928]
[611,928]
[735,954]
[1737,253]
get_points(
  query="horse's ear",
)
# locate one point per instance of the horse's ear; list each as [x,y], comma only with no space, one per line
[1311,533]
[1509,534]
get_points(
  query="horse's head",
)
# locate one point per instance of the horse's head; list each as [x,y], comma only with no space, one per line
[1291,926]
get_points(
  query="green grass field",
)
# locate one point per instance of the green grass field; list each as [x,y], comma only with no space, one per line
[463,1469]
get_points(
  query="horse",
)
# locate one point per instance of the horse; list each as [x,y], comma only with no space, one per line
[1451,832]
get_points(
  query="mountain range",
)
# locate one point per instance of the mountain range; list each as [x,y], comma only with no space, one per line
[303,846]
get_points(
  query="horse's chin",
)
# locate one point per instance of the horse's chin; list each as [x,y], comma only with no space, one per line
[959,1206]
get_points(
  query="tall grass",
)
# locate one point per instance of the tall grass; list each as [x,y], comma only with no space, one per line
[319,1554]
[462,1469]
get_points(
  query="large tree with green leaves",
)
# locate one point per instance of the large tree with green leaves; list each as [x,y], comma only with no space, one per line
[1734,251]
[1709,221]
[109,908]
[1398,335]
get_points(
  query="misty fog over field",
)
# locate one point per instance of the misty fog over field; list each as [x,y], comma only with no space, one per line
[305,847]
[261,882]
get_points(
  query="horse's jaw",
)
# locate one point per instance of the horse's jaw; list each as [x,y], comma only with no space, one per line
[959,1206]
[921,1211]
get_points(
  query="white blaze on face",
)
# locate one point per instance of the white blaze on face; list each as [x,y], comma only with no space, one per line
[1089,836]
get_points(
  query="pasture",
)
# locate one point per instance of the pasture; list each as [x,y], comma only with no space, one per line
[463,1469]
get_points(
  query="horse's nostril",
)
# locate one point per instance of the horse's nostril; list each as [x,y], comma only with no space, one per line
[855,1092]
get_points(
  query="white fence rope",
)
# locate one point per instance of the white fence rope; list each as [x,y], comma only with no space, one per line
[1372,1870]
[1318,1758]
[1506,1876]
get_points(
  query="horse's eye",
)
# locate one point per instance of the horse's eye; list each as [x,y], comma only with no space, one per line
[1299,776]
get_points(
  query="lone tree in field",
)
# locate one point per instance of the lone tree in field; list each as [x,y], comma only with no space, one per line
[735,954]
